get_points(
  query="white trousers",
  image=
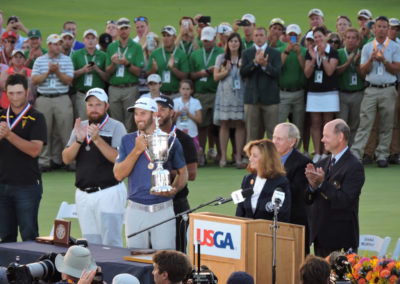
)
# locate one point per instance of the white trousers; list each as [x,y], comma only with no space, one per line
[101,214]
[138,218]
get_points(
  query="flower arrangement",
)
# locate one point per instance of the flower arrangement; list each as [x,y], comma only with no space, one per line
[373,270]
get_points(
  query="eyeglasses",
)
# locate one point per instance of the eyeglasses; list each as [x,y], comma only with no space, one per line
[111,22]
[143,19]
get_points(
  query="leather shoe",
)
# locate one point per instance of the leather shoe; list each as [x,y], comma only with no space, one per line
[382,163]
[367,160]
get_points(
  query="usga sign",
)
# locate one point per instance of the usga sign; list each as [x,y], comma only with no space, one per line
[218,239]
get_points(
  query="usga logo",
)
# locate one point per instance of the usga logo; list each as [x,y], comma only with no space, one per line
[218,239]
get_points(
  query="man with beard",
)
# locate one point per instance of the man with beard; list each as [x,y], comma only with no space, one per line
[148,208]
[67,43]
[100,199]
[181,204]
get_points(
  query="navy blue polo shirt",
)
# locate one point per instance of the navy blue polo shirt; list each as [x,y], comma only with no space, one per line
[139,180]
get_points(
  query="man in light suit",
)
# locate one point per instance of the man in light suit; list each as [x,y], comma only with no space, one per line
[261,66]
[334,192]
[286,137]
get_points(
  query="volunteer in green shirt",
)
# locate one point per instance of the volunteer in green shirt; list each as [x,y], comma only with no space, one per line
[169,62]
[351,84]
[89,65]
[35,50]
[292,79]
[248,23]
[186,39]
[124,63]
[275,31]
[201,71]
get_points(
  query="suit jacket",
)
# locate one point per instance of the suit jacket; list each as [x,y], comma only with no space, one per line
[295,166]
[261,85]
[334,206]
[244,209]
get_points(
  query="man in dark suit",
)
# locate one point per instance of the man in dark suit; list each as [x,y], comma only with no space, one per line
[334,190]
[261,66]
[286,137]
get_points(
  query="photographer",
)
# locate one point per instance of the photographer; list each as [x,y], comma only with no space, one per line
[14,24]
[170,267]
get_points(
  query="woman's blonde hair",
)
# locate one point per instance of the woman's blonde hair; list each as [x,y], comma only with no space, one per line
[271,165]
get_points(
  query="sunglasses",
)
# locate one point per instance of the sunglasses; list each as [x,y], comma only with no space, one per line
[123,23]
[334,41]
[111,22]
[11,41]
[143,19]
[277,21]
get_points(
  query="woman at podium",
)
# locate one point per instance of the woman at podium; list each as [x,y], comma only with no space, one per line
[266,176]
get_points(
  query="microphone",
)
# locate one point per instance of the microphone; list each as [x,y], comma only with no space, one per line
[237,196]
[276,201]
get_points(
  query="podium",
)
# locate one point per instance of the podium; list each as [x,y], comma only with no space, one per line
[229,244]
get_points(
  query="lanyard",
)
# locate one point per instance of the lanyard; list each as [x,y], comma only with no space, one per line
[93,59]
[184,49]
[380,52]
[206,61]
[165,57]
[347,56]
[18,118]
[119,51]
[105,120]
[146,151]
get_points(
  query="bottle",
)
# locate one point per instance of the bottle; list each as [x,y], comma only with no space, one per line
[184,120]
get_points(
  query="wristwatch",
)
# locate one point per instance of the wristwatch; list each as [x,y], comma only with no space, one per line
[286,52]
[79,142]
[325,57]
[128,65]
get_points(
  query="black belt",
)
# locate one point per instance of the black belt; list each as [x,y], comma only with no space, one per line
[51,95]
[291,90]
[122,86]
[95,188]
[352,91]
[382,86]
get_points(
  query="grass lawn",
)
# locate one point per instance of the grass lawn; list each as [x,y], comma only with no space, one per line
[379,209]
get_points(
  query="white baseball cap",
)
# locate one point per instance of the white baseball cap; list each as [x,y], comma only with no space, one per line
[53,38]
[144,103]
[123,22]
[98,93]
[154,78]
[90,32]
[364,13]
[250,18]
[125,278]
[75,261]
[310,35]
[224,29]
[208,33]
[15,51]
[169,30]
[293,28]
[67,33]
[394,22]
[315,11]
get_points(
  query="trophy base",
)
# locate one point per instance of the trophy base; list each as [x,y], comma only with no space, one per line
[161,188]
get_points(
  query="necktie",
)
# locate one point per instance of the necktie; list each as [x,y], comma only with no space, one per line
[333,161]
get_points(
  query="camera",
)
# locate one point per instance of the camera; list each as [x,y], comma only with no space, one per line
[243,23]
[204,19]
[91,63]
[44,269]
[204,276]
[340,267]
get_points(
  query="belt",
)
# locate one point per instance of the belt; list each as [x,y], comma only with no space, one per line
[96,188]
[382,86]
[291,90]
[124,85]
[51,95]
[352,91]
[150,208]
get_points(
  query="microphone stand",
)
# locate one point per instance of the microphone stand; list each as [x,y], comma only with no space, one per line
[275,229]
[176,216]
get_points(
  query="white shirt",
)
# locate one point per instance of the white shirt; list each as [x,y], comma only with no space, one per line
[263,47]
[193,105]
[258,186]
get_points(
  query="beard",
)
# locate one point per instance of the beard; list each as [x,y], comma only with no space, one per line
[96,118]
[144,125]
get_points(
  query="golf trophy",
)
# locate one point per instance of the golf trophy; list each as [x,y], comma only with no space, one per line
[159,151]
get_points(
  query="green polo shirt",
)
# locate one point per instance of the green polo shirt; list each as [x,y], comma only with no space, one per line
[197,63]
[81,58]
[134,54]
[346,77]
[292,75]
[246,44]
[279,44]
[186,45]
[199,42]
[180,62]
[26,54]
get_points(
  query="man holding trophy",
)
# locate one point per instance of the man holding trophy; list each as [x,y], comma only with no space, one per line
[146,157]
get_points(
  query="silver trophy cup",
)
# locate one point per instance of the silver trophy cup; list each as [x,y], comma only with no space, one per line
[159,151]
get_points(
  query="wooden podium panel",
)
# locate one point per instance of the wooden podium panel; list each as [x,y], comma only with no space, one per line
[254,253]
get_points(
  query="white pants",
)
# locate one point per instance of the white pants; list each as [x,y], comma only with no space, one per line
[101,214]
[160,237]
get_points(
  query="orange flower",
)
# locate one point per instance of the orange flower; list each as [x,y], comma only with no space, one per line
[385,273]
[368,277]
[392,279]
[362,281]
[390,265]
[357,267]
